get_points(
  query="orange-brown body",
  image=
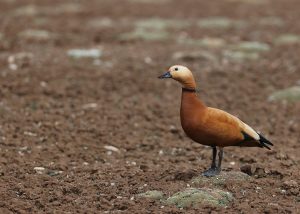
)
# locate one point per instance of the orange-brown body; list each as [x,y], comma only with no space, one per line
[210,126]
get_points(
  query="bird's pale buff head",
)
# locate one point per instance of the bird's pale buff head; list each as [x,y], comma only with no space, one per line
[182,74]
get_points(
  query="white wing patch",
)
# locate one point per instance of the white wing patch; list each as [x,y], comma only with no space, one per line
[250,131]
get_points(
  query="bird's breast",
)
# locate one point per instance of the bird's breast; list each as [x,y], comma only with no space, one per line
[193,122]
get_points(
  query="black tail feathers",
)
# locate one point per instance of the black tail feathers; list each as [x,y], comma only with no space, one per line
[264,142]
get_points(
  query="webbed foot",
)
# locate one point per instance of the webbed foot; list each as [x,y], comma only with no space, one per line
[211,172]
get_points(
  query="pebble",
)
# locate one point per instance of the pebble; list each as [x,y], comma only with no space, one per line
[39,170]
[90,105]
[111,148]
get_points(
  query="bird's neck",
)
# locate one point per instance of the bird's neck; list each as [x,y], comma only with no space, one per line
[190,101]
[189,83]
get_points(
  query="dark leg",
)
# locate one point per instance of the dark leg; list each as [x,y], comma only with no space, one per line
[214,153]
[220,157]
[213,170]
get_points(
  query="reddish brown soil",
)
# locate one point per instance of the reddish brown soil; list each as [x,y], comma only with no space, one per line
[44,121]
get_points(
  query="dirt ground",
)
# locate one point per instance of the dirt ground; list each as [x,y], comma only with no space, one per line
[88,135]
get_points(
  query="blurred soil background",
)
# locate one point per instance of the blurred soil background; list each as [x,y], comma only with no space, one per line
[86,126]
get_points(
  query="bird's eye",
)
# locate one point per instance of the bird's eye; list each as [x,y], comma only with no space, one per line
[176,69]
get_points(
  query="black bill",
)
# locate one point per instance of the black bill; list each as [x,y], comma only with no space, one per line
[165,75]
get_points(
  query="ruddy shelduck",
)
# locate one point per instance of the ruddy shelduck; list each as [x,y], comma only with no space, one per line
[211,126]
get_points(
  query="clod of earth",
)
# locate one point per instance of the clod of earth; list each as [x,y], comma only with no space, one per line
[85,53]
[220,23]
[221,179]
[154,194]
[193,197]
[290,95]
[287,39]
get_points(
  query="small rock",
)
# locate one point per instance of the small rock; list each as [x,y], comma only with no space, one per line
[39,170]
[90,105]
[173,129]
[30,134]
[85,53]
[154,194]
[290,95]
[192,197]
[112,148]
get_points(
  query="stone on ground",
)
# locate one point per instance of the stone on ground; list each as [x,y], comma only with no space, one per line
[193,197]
